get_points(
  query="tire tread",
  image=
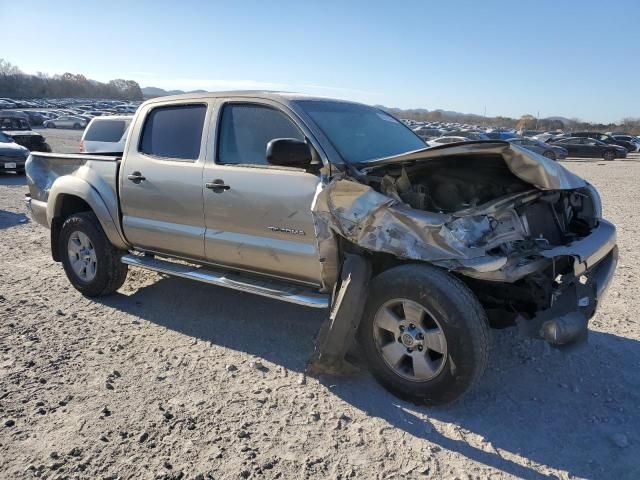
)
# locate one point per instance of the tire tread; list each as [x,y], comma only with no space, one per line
[440,283]
[114,273]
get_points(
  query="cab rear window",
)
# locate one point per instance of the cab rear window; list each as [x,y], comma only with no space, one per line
[106,131]
[173,132]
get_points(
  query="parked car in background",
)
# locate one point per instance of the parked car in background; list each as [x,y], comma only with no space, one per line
[7,103]
[591,148]
[501,135]
[446,140]
[629,138]
[20,131]
[35,118]
[427,133]
[554,152]
[12,155]
[106,134]
[605,138]
[468,134]
[66,121]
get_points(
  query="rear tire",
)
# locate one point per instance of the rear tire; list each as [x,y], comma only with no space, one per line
[609,155]
[90,261]
[441,352]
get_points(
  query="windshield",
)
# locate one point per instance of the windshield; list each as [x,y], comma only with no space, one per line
[4,138]
[360,133]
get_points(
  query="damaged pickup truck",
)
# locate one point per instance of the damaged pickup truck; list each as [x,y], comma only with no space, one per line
[324,203]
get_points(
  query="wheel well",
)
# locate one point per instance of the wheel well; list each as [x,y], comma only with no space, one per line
[69,204]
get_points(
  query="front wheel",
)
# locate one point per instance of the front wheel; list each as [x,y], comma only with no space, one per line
[90,261]
[550,155]
[424,334]
[609,155]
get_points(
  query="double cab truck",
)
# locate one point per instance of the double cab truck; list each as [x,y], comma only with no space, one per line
[415,252]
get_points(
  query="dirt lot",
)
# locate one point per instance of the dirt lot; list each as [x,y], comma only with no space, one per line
[173,379]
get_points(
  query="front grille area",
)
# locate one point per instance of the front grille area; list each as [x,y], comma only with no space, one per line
[12,158]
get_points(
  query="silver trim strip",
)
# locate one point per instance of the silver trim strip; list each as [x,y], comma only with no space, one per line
[278,291]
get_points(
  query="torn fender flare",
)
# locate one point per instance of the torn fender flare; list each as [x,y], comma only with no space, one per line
[338,331]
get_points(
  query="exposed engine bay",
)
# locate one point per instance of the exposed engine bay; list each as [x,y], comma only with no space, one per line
[490,207]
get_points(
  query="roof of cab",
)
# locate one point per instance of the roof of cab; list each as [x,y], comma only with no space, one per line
[284,97]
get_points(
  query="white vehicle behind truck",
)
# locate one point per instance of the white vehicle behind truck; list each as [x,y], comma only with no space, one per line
[106,134]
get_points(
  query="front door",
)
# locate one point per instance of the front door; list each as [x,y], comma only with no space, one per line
[258,216]
[161,181]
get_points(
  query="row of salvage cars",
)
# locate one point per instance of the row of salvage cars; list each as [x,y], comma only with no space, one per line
[17,140]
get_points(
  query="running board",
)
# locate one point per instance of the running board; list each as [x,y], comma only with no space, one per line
[272,289]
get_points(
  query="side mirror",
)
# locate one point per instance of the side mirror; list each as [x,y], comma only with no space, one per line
[288,152]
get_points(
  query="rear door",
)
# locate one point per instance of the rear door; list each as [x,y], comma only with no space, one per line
[589,147]
[161,179]
[259,218]
[533,146]
[573,146]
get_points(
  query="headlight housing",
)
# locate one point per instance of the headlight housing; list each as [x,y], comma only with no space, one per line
[596,200]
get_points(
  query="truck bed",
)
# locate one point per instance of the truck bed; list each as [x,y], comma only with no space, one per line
[50,171]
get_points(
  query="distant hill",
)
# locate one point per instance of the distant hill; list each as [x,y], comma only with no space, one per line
[150,92]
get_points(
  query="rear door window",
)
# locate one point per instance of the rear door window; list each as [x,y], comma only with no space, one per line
[173,132]
[246,129]
[106,131]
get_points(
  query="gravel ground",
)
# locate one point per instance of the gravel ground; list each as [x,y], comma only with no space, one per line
[62,140]
[173,379]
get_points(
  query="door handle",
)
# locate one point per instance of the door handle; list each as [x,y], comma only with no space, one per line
[217,184]
[136,177]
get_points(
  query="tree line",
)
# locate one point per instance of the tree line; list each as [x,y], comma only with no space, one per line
[16,84]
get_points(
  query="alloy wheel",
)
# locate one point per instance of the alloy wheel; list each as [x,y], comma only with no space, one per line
[410,340]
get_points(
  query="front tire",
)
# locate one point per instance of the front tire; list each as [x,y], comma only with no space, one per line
[90,261]
[76,126]
[424,334]
[550,155]
[609,155]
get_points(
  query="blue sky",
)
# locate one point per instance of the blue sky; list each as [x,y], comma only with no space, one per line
[571,58]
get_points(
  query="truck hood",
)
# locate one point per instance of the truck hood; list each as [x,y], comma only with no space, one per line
[527,165]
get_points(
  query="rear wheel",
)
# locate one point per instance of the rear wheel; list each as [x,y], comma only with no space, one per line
[609,155]
[424,334]
[550,155]
[90,261]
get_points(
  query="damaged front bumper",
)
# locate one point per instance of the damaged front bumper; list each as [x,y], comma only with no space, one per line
[579,292]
